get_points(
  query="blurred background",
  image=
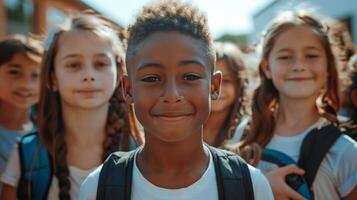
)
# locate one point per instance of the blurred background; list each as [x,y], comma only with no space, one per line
[241,21]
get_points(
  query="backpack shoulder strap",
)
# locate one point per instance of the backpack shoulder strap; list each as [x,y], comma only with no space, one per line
[314,148]
[232,175]
[36,168]
[116,176]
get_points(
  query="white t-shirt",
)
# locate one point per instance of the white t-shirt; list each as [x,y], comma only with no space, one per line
[337,175]
[203,189]
[12,173]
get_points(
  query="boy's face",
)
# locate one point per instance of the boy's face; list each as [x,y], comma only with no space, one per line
[171,85]
[19,82]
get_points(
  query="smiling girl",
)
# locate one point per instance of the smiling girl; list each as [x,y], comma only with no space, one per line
[82,118]
[298,93]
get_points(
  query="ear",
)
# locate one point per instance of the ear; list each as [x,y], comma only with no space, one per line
[265,67]
[216,84]
[127,90]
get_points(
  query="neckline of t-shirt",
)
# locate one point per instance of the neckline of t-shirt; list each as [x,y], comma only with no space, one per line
[298,136]
[80,171]
[192,187]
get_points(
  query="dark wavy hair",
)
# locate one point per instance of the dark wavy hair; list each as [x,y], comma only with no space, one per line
[30,45]
[232,55]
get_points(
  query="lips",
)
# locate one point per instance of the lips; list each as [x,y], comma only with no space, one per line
[24,94]
[171,117]
[300,79]
[88,90]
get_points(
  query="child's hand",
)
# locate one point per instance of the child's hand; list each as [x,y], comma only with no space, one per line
[281,190]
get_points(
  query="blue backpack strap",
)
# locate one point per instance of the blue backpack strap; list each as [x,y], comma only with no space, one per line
[298,183]
[36,169]
[116,176]
[232,175]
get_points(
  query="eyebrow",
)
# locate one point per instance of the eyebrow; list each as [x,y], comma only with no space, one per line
[181,63]
[312,47]
[189,62]
[13,65]
[101,55]
[70,56]
[74,55]
[305,48]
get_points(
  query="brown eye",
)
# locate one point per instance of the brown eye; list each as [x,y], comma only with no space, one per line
[101,64]
[191,77]
[14,72]
[284,57]
[151,79]
[73,65]
[35,75]
[312,56]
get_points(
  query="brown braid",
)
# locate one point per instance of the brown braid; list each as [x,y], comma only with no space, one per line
[117,122]
[265,98]
[51,125]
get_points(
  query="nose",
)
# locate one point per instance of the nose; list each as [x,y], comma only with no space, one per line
[298,65]
[172,92]
[88,74]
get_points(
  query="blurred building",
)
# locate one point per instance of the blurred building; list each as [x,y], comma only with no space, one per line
[37,16]
[344,10]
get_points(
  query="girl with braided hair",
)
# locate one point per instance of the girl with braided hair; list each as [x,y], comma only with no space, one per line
[82,116]
[297,98]
[230,108]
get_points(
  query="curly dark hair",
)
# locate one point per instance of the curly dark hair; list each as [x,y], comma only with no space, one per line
[165,16]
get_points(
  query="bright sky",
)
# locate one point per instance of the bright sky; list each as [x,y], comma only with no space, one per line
[224,16]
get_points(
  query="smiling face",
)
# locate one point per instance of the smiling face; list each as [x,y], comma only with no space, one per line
[298,68]
[19,82]
[85,72]
[170,85]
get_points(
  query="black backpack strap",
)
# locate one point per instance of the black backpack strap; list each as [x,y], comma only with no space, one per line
[36,168]
[116,176]
[233,176]
[314,148]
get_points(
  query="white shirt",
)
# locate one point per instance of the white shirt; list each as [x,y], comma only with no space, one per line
[337,174]
[12,173]
[203,189]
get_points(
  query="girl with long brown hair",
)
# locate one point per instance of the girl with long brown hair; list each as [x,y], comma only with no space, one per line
[230,108]
[82,117]
[298,92]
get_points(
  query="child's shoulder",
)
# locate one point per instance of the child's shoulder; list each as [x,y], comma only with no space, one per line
[111,172]
[89,186]
[344,147]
